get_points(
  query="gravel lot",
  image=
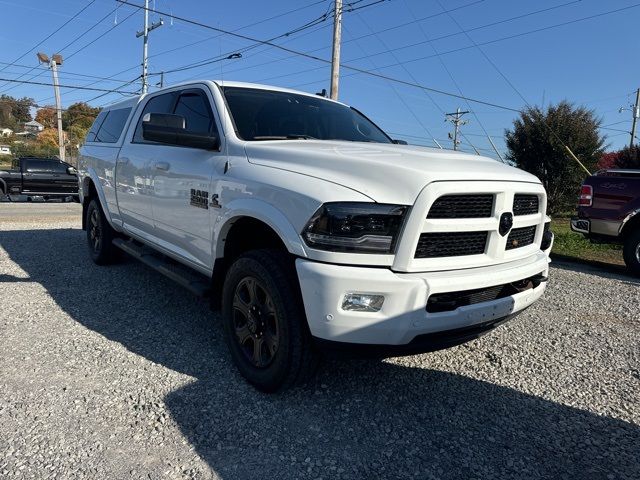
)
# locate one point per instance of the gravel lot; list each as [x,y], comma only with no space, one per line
[117,373]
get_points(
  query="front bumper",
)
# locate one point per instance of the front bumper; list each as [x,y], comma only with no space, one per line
[403,316]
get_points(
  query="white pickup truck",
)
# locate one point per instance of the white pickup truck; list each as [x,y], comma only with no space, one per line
[310,227]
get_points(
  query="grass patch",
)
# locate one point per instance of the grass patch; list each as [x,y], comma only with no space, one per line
[574,245]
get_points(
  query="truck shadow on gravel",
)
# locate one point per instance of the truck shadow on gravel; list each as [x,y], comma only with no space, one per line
[358,419]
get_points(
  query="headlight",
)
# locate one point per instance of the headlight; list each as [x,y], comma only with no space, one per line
[355,227]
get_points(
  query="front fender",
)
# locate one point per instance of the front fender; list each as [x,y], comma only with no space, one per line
[260,210]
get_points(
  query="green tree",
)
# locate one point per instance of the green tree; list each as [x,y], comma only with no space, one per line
[15,111]
[79,114]
[533,147]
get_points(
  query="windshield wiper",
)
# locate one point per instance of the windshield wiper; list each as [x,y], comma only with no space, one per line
[285,137]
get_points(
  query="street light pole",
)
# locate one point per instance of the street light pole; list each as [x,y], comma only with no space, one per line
[53,64]
[335,58]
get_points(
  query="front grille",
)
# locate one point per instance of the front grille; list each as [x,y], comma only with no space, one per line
[451,244]
[521,237]
[525,204]
[462,206]
[449,301]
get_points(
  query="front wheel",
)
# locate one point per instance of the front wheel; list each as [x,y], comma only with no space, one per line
[631,252]
[100,235]
[264,323]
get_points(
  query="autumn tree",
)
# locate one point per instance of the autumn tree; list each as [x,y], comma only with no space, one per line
[48,138]
[47,116]
[535,144]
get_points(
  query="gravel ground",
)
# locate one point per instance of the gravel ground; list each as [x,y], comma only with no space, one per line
[117,373]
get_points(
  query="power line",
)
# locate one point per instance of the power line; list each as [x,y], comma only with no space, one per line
[75,87]
[75,40]
[489,42]
[506,79]
[393,88]
[50,35]
[164,52]
[313,57]
[462,31]
[296,54]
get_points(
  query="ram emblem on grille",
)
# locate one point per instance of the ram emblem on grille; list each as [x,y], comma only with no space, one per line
[506,222]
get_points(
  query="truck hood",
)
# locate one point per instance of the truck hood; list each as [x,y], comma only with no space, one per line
[386,173]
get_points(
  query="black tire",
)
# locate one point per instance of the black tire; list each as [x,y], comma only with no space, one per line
[100,236]
[631,251]
[266,331]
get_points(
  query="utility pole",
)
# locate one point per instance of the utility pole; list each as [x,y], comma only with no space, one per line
[335,58]
[145,44]
[456,119]
[53,64]
[636,114]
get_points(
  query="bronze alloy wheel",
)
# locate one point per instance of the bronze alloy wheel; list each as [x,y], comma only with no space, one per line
[254,321]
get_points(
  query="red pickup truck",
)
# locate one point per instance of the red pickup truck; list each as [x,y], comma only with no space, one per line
[609,212]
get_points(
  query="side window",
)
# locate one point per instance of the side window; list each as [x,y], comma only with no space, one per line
[159,104]
[59,167]
[112,126]
[91,136]
[195,108]
[40,166]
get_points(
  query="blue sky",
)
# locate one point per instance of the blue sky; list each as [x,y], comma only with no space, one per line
[591,62]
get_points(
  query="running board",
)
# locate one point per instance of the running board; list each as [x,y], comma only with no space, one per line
[196,283]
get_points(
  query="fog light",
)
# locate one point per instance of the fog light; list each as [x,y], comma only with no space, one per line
[362,302]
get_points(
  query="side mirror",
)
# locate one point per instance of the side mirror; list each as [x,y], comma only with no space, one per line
[400,142]
[72,171]
[170,129]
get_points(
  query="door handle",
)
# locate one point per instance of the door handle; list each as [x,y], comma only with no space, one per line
[123,160]
[162,166]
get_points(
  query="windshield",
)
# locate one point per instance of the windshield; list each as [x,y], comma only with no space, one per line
[270,115]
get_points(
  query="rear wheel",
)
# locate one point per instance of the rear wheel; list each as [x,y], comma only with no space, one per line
[264,323]
[631,251]
[100,236]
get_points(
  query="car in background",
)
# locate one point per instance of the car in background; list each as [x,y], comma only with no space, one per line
[41,177]
[609,212]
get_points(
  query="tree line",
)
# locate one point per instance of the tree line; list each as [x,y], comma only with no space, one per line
[76,121]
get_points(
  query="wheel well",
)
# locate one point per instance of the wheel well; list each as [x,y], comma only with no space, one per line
[244,234]
[90,193]
[631,226]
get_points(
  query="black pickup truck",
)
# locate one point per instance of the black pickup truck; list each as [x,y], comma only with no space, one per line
[45,177]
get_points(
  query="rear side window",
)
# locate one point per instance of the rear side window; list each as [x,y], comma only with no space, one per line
[112,126]
[160,104]
[41,166]
[91,136]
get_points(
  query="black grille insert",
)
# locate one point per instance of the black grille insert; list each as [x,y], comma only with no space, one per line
[451,244]
[525,204]
[521,237]
[448,301]
[462,206]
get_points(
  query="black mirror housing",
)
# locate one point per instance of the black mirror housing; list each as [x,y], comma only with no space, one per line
[170,129]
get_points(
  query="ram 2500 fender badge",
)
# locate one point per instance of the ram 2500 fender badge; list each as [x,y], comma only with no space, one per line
[199,198]
[506,222]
